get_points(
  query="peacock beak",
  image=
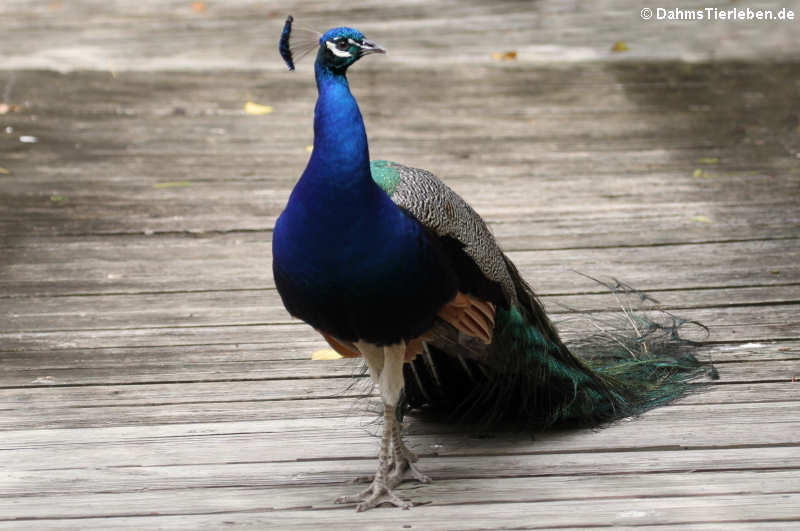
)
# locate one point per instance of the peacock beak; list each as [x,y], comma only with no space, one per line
[368,47]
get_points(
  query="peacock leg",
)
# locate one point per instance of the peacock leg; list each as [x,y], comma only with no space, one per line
[403,460]
[387,372]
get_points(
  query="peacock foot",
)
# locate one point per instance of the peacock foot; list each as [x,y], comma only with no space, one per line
[402,464]
[403,460]
[400,470]
[377,493]
[394,460]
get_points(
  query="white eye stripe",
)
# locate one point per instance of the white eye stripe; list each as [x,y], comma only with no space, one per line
[351,41]
[337,52]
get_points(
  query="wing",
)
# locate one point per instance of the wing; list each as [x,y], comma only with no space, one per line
[484,279]
[464,235]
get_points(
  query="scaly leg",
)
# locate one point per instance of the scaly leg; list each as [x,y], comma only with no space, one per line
[403,460]
[386,369]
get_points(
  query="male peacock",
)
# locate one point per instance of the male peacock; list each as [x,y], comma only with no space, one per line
[388,263]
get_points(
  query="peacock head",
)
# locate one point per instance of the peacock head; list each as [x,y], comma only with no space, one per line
[338,47]
[341,47]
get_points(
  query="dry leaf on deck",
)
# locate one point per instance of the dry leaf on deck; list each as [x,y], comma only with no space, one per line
[619,46]
[256,108]
[504,56]
[326,354]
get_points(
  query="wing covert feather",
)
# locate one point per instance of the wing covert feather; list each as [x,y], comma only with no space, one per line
[436,206]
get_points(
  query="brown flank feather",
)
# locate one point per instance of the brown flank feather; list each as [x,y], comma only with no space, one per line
[465,313]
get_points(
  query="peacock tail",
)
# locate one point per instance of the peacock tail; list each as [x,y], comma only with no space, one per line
[527,375]
[532,379]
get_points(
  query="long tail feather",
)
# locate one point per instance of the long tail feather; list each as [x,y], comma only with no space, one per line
[531,377]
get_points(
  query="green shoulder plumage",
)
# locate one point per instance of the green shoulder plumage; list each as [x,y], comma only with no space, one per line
[385,175]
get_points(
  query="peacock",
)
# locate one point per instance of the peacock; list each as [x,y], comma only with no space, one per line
[388,263]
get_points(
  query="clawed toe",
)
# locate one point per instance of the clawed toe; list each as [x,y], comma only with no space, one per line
[416,473]
[377,498]
[402,468]
[373,496]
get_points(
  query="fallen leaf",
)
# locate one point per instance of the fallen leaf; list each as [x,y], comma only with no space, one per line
[708,160]
[700,219]
[56,198]
[326,354]
[4,171]
[172,184]
[198,7]
[256,108]
[619,46]
[504,56]
[703,174]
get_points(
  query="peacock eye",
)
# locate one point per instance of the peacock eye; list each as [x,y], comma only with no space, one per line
[342,44]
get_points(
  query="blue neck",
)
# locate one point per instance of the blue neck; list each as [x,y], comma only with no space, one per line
[340,158]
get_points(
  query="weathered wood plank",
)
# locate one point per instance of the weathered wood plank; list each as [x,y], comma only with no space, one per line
[675,511]
[737,324]
[206,206]
[737,363]
[554,228]
[125,372]
[247,401]
[760,431]
[170,35]
[297,347]
[54,477]
[242,261]
[582,489]
[721,526]
[170,309]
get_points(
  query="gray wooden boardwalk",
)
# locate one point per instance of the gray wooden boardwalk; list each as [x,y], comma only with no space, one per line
[150,378]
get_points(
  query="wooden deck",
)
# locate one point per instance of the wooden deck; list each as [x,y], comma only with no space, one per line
[150,378]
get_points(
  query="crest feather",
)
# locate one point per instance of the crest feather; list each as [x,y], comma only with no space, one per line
[296,42]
